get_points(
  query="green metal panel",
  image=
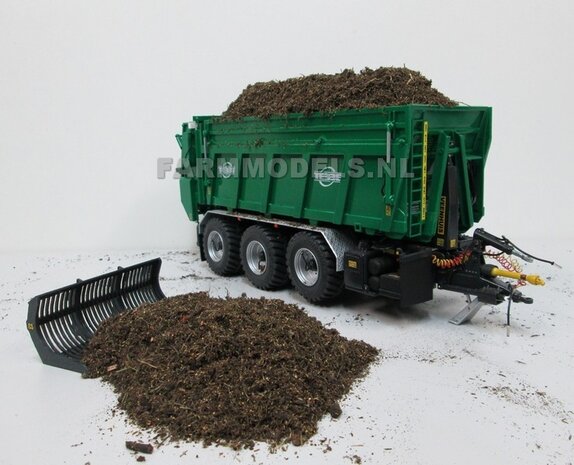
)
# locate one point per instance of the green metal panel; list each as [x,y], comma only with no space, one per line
[188,185]
[258,166]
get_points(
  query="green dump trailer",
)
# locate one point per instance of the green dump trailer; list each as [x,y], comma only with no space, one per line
[376,201]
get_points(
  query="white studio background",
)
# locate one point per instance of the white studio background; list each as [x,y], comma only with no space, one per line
[92,93]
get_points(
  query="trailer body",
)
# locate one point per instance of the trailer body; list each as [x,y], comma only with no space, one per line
[376,171]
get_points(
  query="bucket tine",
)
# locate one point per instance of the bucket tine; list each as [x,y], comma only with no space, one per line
[61,322]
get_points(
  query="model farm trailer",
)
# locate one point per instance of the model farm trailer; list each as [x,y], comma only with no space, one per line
[376,201]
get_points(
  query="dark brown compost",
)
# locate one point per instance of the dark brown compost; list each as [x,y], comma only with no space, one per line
[228,371]
[369,88]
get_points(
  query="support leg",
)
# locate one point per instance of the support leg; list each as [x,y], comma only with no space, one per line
[467,313]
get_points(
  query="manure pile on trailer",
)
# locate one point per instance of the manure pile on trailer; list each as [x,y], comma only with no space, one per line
[370,88]
[228,371]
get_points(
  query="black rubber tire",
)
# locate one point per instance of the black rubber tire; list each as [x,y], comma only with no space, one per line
[330,282]
[275,275]
[230,263]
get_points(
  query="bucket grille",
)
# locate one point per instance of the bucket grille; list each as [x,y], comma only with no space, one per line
[61,322]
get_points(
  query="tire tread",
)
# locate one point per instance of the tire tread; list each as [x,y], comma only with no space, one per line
[232,235]
[279,277]
[333,284]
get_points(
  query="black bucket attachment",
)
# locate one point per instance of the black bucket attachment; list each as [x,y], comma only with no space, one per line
[61,322]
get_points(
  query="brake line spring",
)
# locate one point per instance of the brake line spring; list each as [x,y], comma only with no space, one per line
[447,263]
[508,263]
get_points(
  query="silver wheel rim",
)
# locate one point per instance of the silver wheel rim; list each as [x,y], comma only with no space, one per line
[215,247]
[256,258]
[306,267]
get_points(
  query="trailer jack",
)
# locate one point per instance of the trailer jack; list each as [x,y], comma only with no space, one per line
[473,305]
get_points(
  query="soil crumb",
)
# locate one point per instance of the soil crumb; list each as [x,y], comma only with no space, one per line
[139,447]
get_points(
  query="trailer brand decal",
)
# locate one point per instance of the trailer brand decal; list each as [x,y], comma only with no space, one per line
[226,170]
[424,173]
[327,176]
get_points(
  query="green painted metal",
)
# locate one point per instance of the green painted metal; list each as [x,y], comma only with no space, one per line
[258,166]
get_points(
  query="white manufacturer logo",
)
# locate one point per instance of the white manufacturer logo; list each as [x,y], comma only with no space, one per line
[226,170]
[327,176]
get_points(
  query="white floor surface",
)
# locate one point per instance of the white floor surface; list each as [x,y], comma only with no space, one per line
[441,394]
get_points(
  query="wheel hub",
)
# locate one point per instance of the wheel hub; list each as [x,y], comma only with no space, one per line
[256,258]
[306,267]
[215,246]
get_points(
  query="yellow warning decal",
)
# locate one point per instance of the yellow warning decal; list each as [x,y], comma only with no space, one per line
[442,216]
[424,171]
[30,326]
[352,264]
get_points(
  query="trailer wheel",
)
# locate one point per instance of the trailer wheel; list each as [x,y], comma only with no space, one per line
[312,268]
[263,257]
[221,247]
